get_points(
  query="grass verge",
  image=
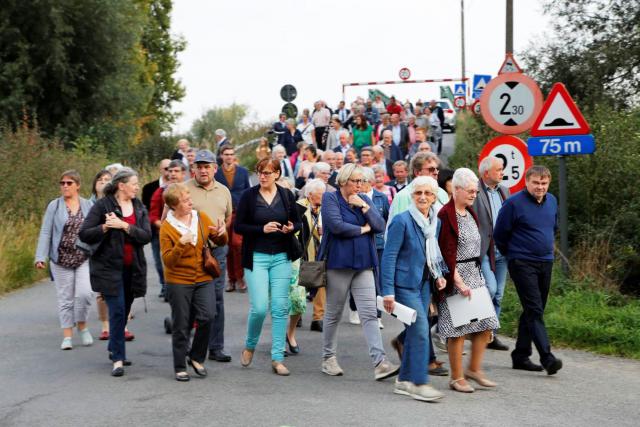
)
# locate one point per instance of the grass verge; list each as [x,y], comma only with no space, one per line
[18,241]
[580,314]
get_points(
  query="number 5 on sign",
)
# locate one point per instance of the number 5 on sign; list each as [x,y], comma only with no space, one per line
[510,103]
[515,160]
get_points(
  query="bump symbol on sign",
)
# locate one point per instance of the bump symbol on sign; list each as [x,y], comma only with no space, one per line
[559,115]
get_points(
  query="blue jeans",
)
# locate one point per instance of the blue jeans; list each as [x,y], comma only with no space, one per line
[157,259]
[495,280]
[216,302]
[268,283]
[417,342]
[119,308]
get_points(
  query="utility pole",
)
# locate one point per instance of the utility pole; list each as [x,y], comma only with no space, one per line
[509,38]
[462,41]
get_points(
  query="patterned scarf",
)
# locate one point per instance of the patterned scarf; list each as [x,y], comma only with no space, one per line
[435,262]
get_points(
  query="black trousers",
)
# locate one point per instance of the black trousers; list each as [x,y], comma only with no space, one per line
[320,142]
[532,280]
[189,303]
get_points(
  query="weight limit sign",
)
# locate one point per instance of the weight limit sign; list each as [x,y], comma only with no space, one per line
[515,159]
[510,103]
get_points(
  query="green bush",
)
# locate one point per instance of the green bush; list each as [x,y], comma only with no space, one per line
[581,314]
[603,200]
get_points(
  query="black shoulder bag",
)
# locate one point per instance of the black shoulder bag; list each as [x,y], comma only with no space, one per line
[313,274]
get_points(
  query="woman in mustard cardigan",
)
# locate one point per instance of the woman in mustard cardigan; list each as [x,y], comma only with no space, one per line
[181,241]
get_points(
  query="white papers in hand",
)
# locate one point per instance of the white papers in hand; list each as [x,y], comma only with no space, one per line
[401,312]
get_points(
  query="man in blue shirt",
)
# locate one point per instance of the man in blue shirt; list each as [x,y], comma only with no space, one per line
[524,233]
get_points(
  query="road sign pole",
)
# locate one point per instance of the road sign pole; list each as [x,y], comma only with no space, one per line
[509,38]
[563,213]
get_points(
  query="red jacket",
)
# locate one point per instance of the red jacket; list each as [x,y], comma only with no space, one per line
[448,241]
[394,108]
[157,205]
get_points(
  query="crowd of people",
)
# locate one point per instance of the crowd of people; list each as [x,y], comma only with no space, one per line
[362,190]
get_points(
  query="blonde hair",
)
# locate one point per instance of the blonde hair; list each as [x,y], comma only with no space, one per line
[172,194]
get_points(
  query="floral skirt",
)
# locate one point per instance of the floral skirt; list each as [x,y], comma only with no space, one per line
[297,294]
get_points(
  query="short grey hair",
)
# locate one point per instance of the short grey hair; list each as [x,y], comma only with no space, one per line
[377,149]
[277,149]
[320,167]
[122,176]
[463,178]
[368,174]
[291,122]
[343,132]
[220,132]
[384,132]
[486,164]
[428,181]
[177,164]
[345,173]
[378,168]
[314,185]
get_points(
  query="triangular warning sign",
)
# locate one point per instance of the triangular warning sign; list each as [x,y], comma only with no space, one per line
[480,85]
[459,90]
[509,65]
[559,115]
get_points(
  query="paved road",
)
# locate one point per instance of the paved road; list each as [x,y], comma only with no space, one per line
[42,385]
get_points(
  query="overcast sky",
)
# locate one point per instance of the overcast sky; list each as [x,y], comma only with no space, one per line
[245,50]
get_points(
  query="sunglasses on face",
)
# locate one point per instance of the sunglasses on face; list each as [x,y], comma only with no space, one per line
[266,173]
[433,169]
[422,193]
[67,183]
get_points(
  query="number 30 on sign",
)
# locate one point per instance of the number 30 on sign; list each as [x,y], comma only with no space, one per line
[510,103]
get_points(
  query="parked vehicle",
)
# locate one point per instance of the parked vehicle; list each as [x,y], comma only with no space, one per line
[449,115]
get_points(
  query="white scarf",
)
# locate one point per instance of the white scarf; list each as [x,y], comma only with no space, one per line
[182,228]
[435,262]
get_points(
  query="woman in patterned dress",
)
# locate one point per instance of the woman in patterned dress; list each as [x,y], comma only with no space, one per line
[460,245]
[69,265]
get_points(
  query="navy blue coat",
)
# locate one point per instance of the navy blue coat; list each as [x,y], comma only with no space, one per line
[381,202]
[240,183]
[337,234]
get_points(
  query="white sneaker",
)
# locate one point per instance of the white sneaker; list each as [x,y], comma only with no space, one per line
[425,393]
[385,369]
[402,387]
[354,319]
[67,344]
[330,367]
[380,325]
[86,337]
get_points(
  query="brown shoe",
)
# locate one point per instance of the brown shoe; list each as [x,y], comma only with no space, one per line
[246,357]
[231,286]
[279,369]
[479,378]
[464,387]
[398,347]
[241,286]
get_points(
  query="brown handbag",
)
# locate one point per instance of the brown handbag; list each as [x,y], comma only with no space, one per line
[209,262]
[312,274]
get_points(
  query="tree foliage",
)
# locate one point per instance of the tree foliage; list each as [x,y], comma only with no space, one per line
[595,51]
[88,69]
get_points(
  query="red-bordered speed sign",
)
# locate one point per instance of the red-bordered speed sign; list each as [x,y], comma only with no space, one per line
[404,73]
[514,155]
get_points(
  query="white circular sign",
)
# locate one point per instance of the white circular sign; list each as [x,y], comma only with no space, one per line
[515,159]
[510,103]
[404,73]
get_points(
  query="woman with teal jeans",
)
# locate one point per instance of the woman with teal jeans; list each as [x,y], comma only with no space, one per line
[362,133]
[267,219]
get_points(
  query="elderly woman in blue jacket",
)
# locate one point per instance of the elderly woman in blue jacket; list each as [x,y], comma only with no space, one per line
[350,222]
[69,265]
[410,264]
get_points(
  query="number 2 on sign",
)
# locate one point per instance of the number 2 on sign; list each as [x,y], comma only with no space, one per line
[515,109]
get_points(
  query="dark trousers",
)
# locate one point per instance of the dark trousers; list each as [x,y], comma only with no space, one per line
[119,309]
[320,142]
[532,280]
[216,303]
[157,259]
[189,303]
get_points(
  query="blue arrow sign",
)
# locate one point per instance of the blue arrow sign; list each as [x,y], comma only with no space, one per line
[460,89]
[479,83]
[566,145]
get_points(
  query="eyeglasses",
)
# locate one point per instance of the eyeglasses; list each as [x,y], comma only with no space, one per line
[265,173]
[67,183]
[166,169]
[423,193]
[357,181]
[469,191]
[433,169]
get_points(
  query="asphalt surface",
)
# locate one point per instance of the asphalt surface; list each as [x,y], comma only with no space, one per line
[41,385]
